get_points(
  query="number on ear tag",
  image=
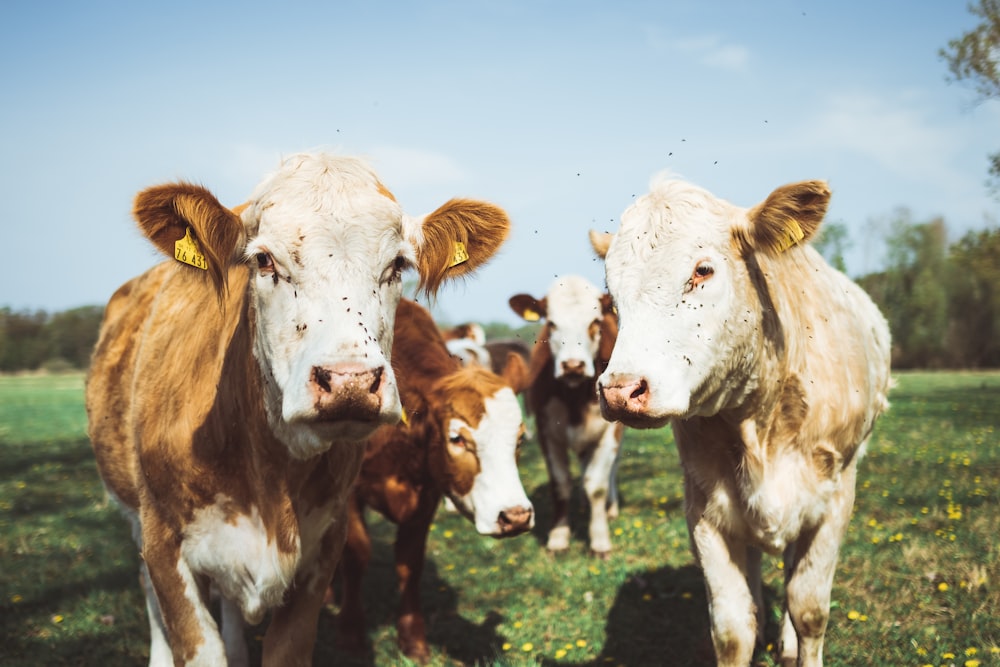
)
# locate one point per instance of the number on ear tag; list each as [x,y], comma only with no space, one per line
[459,254]
[186,250]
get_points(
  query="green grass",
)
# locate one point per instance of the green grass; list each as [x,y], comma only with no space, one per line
[918,581]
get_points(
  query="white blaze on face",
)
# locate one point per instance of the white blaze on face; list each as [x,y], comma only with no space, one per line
[497,487]
[574,312]
[326,252]
[672,271]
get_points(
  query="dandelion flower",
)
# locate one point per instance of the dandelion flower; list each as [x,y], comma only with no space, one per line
[527,647]
[560,654]
[943,587]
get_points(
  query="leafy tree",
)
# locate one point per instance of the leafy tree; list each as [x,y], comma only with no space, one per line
[833,243]
[25,345]
[72,334]
[975,57]
[974,296]
[912,293]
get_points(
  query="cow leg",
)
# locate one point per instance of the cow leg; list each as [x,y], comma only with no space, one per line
[291,636]
[788,644]
[232,634]
[159,647]
[811,578]
[613,499]
[194,635]
[597,467]
[357,553]
[561,485]
[410,550]
[730,602]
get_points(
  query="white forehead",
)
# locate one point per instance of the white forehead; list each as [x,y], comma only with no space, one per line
[573,299]
[310,191]
[675,209]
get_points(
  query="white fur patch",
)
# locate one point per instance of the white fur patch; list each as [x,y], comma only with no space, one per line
[236,553]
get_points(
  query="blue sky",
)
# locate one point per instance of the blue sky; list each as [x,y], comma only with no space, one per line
[559,111]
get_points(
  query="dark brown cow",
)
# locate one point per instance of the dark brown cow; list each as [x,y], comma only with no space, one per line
[460,438]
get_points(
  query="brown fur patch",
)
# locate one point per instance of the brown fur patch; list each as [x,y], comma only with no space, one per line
[480,226]
[165,212]
[799,206]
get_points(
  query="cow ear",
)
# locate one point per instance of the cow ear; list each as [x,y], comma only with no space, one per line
[608,305]
[515,372]
[208,232]
[528,307]
[456,239]
[790,215]
[600,241]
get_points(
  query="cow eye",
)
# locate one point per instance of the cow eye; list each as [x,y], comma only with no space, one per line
[702,272]
[394,271]
[264,262]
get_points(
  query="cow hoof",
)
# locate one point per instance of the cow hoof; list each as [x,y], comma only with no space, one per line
[558,539]
[602,555]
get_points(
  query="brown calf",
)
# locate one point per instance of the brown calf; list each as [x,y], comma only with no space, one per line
[460,438]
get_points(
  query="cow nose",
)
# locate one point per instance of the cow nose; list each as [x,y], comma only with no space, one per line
[515,520]
[629,395]
[573,367]
[347,391]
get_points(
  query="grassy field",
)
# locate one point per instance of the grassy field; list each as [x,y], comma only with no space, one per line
[918,582]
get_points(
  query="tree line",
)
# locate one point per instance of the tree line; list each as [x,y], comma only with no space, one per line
[942,300]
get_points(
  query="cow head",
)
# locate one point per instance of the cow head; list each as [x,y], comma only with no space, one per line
[579,320]
[685,273]
[483,428]
[324,245]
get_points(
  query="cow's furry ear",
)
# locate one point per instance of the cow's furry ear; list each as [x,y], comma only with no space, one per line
[166,213]
[458,238]
[528,307]
[600,242]
[790,215]
[515,372]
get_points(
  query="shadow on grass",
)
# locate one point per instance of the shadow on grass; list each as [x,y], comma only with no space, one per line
[20,459]
[448,632]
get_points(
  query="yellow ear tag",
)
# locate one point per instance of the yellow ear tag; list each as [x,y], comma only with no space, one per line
[186,250]
[403,418]
[530,315]
[793,234]
[459,255]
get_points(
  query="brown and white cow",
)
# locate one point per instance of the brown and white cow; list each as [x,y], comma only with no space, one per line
[572,348]
[229,400]
[461,437]
[771,367]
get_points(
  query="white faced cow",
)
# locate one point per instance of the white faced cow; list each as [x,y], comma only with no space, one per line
[571,350]
[771,367]
[229,400]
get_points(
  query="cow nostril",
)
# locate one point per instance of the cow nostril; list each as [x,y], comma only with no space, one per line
[377,382]
[321,377]
[514,518]
[639,390]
